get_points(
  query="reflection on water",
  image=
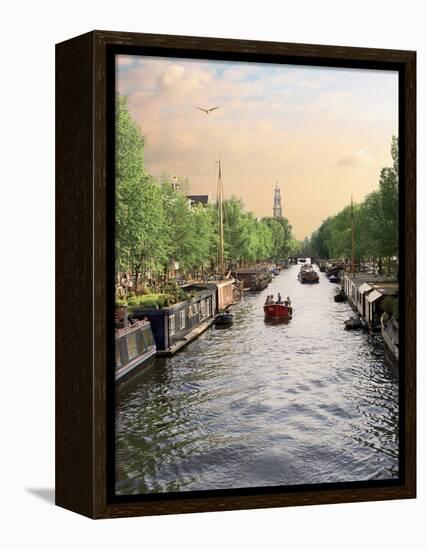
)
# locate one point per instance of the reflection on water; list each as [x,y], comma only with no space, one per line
[261,404]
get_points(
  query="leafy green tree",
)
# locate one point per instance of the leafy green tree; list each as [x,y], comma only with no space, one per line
[375,222]
[389,191]
[156,226]
[139,217]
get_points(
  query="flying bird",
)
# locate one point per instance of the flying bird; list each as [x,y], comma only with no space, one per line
[208,111]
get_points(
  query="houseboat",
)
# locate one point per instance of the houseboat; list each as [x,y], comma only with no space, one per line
[134,347]
[254,278]
[174,326]
[227,293]
[365,293]
[390,333]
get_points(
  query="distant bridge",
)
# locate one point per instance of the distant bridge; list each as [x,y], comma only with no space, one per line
[300,256]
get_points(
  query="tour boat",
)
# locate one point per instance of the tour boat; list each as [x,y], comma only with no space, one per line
[134,347]
[278,311]
[308,275]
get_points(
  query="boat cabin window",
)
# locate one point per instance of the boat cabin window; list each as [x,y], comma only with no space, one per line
[192,310]
[182,319]
[148,339]
[172,325]
[203,309]
[118,361]
[132,346]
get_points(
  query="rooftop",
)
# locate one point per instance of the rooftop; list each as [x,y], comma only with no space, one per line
[370,278]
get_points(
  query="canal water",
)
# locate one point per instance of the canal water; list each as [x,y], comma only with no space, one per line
[262,404]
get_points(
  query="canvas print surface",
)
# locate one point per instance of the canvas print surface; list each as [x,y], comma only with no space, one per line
[256,275]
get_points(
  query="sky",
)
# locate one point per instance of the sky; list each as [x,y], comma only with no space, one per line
[321,133]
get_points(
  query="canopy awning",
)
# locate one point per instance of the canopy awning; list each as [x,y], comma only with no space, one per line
[373,296]
[365,287]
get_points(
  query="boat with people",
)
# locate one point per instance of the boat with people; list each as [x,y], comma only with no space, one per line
[307,274]
[280,309]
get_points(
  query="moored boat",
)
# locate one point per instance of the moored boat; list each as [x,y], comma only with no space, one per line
[134,348]
[352,323]
[340,297]
[333,278]
[334,269]
[175,325]
[390,333]
[225,319]
[254,278]
[278,311]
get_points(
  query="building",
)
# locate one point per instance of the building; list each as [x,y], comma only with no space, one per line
[198,199]
[277,208]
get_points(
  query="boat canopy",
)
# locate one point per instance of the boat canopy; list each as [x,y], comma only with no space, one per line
[365,287]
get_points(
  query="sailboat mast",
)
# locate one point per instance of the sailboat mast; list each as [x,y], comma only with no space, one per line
[353,236]
[220,207]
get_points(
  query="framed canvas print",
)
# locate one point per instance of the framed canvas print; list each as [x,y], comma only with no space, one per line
[236,277]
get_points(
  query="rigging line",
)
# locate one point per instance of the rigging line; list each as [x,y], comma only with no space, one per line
[226,217]
[214,186]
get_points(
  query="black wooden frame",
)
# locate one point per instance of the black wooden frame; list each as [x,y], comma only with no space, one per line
[84,192]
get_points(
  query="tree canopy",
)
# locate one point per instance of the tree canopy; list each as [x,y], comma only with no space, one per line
[375,222]
[157,227]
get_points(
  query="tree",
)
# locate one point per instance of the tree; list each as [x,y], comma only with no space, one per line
[139,217]
[389,191]
[375,221]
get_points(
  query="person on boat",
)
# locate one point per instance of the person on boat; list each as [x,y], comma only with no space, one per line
[271,300]
[279,298]
[287,301]
[268,300]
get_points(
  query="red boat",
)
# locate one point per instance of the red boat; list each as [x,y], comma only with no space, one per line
[278,311]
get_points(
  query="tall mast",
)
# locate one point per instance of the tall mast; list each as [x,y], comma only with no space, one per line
[220,207]
[353,236]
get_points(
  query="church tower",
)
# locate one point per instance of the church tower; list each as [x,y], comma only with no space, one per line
[277,209]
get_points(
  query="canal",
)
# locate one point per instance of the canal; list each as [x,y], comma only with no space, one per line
[262,404]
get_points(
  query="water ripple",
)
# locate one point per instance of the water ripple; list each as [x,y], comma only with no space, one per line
[262,404]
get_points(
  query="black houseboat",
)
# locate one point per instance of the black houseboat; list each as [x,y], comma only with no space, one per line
[174,326]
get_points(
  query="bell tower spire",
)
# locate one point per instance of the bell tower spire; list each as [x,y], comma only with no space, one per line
[277,208]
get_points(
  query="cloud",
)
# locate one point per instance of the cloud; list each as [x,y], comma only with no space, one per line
[125,60]
[355,158]
[292,124]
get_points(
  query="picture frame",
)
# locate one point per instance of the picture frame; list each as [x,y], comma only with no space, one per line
[84,273]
